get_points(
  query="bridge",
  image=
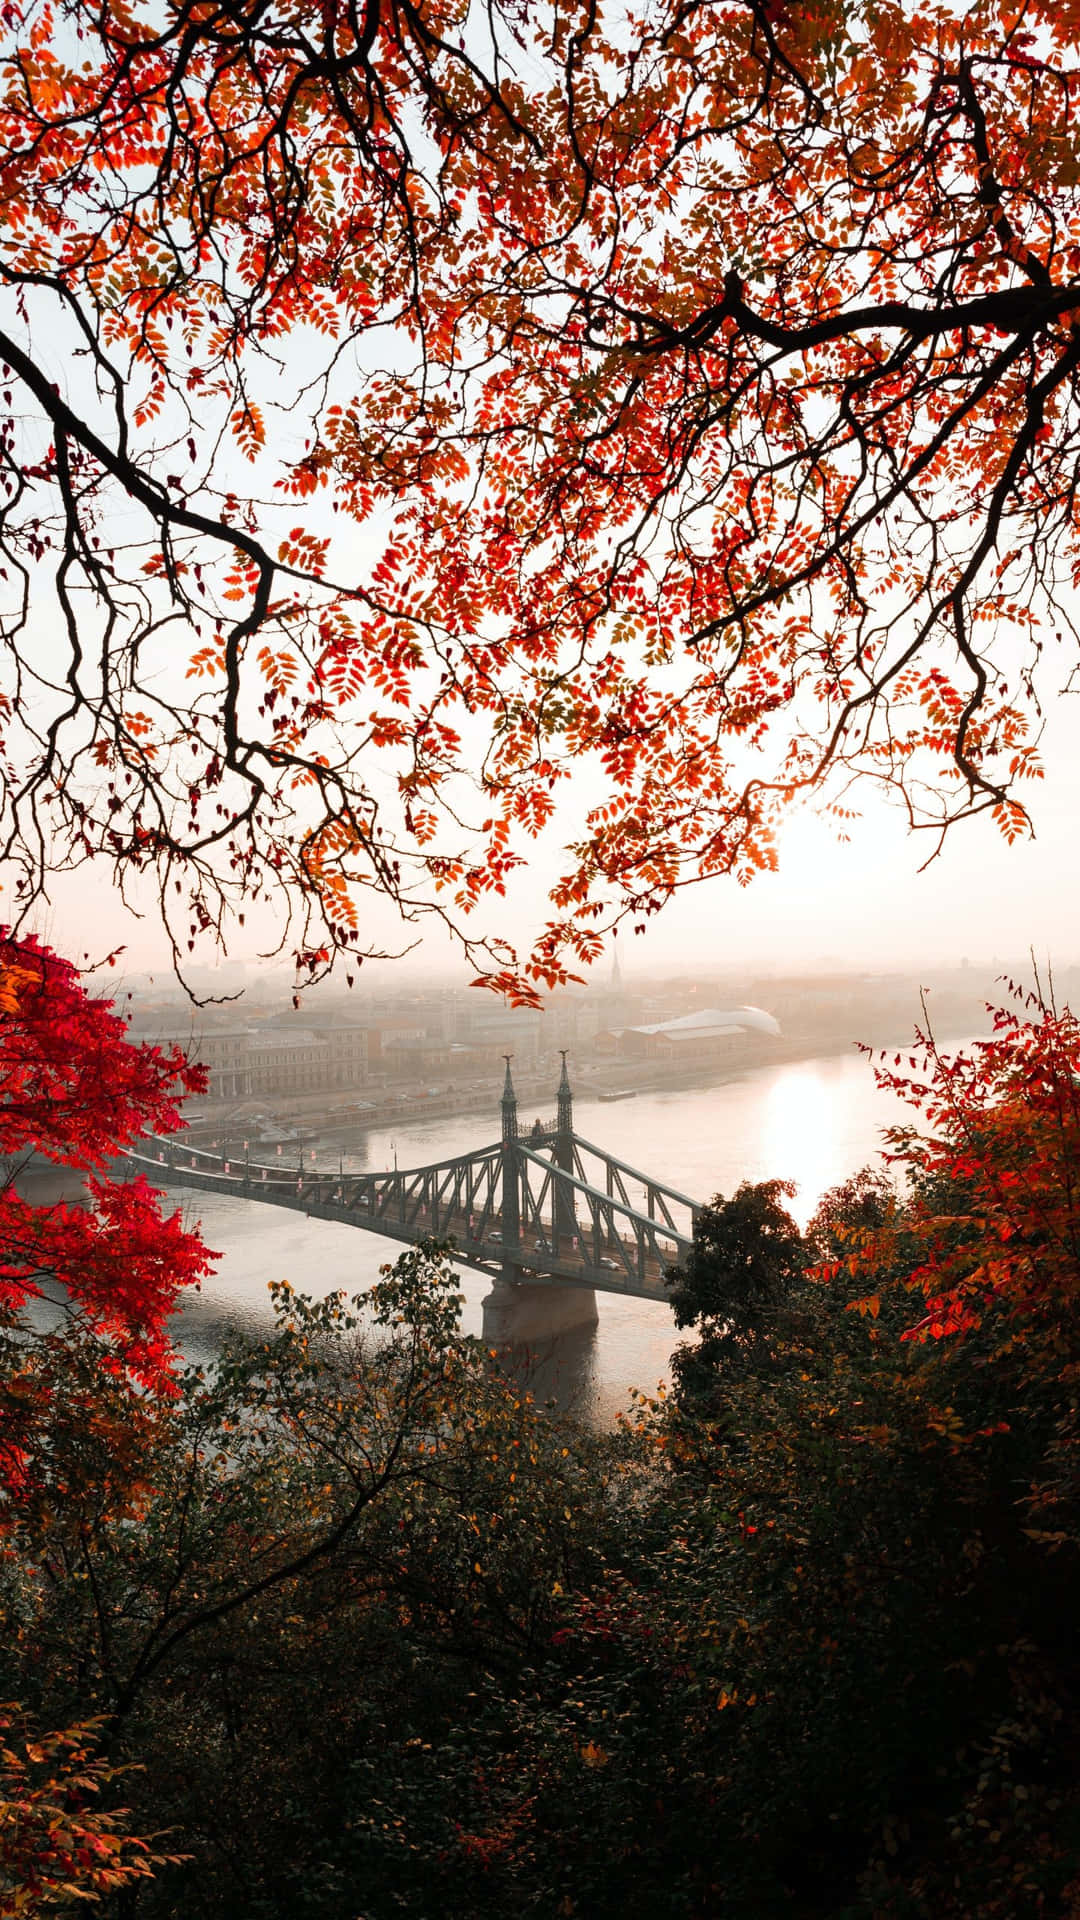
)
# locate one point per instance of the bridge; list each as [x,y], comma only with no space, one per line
[552,1219]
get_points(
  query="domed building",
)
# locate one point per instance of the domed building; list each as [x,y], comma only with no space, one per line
[709,1033]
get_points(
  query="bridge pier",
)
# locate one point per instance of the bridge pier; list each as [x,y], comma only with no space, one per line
[520,1313]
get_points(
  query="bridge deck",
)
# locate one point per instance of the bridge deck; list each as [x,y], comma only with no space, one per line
[413,1204]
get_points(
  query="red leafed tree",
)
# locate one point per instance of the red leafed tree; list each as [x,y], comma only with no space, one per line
[990,1231]
[56,1845]
[74,1088]
[407,412]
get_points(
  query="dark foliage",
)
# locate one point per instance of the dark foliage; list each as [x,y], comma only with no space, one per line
[383,1639]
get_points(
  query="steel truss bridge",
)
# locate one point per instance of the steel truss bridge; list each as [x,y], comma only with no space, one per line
[539,1205]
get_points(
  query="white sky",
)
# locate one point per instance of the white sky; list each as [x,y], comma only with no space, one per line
[860,904]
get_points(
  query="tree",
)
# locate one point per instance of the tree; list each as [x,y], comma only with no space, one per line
[746,1262]
[77,1091]
[349,1548]
[859,1205]
[695,389]
[989,1229]
[56,1848]
[986,1248]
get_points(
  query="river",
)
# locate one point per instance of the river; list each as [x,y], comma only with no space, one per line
[813,1121]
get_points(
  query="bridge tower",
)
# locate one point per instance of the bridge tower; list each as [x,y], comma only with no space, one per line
[520,1311]
[564,1220]
[511,1168]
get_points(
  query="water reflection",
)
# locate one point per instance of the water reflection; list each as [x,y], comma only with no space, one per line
[562,1371]
[802,1123]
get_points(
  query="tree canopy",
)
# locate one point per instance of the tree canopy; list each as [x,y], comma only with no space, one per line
[745,1265]
[407,404]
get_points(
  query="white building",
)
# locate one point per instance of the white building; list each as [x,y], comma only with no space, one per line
[710,1033]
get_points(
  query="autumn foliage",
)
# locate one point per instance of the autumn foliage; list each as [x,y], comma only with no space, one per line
[990,1232]
[57,1846]
[77,1092]
[78,1405]
[409,411]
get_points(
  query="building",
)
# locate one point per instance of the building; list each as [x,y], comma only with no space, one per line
[709,1034]
[248,1063]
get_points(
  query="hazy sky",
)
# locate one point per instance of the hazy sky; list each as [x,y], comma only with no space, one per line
[861,904]
[868,902]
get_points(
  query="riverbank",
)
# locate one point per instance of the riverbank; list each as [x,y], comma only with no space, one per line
[319,1116]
